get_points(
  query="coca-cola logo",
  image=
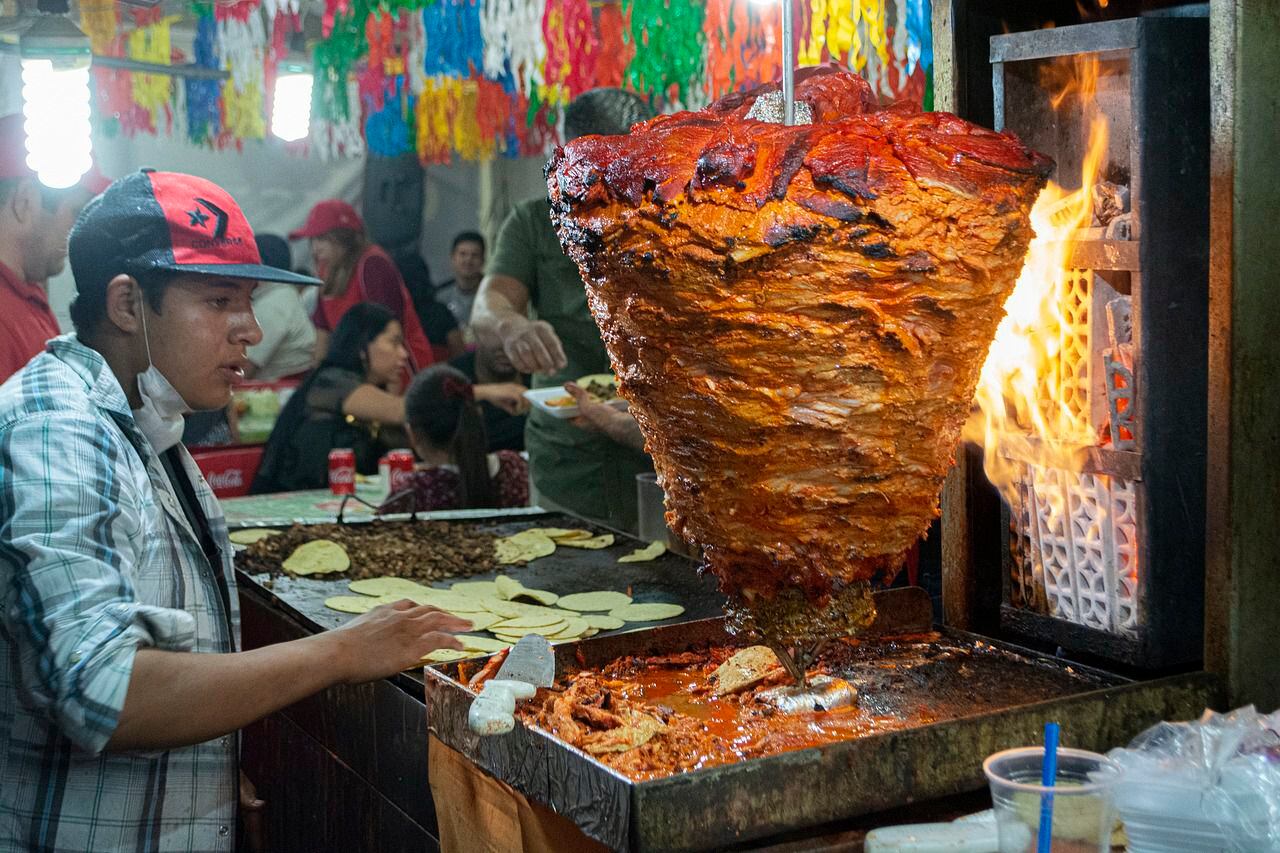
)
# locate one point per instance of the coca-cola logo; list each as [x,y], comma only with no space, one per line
[399,479]
[342,474]
[232,478]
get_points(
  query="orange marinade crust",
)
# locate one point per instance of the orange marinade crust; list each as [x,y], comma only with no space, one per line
[798,315]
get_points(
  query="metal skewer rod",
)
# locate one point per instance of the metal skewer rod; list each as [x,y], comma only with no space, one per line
[788,66]
[789,663]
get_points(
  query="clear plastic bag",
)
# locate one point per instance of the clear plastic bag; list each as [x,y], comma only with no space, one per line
[1208,785]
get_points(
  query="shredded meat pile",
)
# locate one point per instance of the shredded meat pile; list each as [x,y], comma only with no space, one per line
[798,316]
[640,740]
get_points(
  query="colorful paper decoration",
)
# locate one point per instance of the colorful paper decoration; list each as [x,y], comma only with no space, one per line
[616,47]
[743,47]
[151,92]
[668,64]
[513,43]
[483,78]
[568,30]
[100,22]
[242,49]
[452,32]
[204,97]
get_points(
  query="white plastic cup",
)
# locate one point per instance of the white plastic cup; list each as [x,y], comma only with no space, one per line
[650,509]
[1083,813]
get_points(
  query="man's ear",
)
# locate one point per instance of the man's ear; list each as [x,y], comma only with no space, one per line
[124,304]
[25,202]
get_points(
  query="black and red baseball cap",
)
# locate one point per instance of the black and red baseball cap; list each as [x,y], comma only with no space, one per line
[170,222]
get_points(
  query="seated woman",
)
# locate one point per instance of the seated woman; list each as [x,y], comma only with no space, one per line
[447,431]
[344,403]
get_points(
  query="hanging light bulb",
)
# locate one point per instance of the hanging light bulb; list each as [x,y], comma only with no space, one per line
[291,106]
[55,58]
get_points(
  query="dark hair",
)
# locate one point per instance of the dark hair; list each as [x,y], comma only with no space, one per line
[338,276]
[349,345]
[605,111]
[90,305]
[417,280]
[274,250]
[467,237]
[413,269]
[440,408]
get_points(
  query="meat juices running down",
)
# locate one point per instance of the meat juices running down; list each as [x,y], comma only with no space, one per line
[798,316]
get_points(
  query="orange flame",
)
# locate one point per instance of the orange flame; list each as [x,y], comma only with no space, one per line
[1031,400]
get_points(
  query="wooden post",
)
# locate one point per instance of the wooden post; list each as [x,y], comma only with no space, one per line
[1242,614]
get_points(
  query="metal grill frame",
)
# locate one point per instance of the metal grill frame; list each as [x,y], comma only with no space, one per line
[1167,259]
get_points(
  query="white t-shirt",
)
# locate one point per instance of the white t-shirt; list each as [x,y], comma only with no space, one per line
[288,337]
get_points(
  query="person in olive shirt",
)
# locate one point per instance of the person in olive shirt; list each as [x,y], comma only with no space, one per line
[587,465]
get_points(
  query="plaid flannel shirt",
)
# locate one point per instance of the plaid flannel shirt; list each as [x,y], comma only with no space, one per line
[97,559]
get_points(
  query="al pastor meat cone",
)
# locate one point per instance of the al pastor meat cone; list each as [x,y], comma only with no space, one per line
[798,316]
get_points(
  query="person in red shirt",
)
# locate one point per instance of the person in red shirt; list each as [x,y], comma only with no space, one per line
[355,270]
[34,223]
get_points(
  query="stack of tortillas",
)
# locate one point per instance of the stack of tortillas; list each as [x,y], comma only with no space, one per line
[529,545]
[323,556]
[504,607]
[507,609]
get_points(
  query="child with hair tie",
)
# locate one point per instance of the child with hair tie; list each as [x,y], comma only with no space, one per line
[447,430]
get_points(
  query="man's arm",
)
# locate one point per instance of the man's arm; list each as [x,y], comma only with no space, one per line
[107,669]
[597,417]
[176,699]
[501,310]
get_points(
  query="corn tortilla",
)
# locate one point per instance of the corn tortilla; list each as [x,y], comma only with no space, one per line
[253,534]
[482,644]
[573,629]
[522,622]
[480,621]
[602,622]
[647,612]
[541,630]
[644,555]
[320,557]
[604,599]
[351,603]
[523,547]
[595,543]
[508,587]
[476,589]
[384,586]
[445,656]
[558,533]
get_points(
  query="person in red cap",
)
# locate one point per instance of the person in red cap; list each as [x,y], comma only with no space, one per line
[122,685]
[34,221]
[355,270]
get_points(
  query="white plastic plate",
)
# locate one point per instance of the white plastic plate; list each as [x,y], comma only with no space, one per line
[541,397]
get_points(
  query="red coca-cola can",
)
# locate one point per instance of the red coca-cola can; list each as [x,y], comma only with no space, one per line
[399,467]
[342,471]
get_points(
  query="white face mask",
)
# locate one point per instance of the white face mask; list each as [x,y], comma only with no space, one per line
[160,416]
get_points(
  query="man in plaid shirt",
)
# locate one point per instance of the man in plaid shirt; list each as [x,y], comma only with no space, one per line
[121,683]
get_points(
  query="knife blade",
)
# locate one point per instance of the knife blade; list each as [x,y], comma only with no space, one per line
[530,660]
[529,665]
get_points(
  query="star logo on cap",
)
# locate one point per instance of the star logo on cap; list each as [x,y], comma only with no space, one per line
[198,218]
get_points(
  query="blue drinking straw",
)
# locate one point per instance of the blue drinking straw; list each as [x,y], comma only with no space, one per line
[1048,775]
